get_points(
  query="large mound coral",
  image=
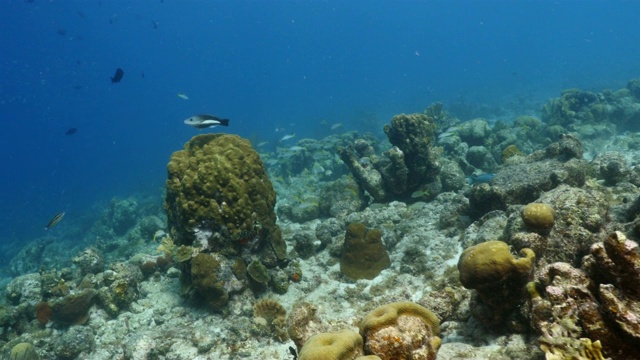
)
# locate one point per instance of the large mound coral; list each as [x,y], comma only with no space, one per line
[220,211]
[218,186]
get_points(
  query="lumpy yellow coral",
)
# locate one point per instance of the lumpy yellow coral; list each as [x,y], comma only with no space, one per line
[539,217]
[401,330]
[491,262]
[218,183]
[341,345]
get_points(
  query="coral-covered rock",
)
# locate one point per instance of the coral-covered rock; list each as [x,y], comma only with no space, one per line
[302,323]
[523,182]
[73,308]
[77,340]
[90,261]
[600,303]
[402,330]
[611,167]
[341,345]
[363,255]
[207,280]
[414,135]
[411,164]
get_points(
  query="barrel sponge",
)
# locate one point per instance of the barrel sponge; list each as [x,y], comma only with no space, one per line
[401,330]
[489,263]
[218,181]
[538,217]
[341,345]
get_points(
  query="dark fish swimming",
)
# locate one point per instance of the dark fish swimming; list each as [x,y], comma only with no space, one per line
[206,121]
[54,220]
[71,131]
[118,76]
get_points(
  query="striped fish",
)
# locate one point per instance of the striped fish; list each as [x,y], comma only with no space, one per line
[54,221]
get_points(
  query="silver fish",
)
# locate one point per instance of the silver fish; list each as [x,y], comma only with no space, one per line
[288,137]
[204,121]
[54,220]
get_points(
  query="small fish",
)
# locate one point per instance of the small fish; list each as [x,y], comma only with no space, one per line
[296,148]
[336,126]
[183,96]
[293,352]
[480,179]
[205,121]
[288,137]
[160,234]
[118,76]
[261,144]
[418,194]
[54,220]
[154,23]
[71,131]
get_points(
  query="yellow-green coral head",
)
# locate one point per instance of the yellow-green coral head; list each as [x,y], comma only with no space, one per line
[539,217]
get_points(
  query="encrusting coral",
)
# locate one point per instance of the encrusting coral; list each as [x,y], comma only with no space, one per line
[401,330]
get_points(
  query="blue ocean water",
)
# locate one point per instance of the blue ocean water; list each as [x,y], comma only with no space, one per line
[290,66]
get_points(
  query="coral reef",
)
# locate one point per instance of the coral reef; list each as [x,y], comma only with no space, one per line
[363,255]
[401,330]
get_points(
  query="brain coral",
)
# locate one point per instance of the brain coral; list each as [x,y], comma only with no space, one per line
[401,330]
[220,198]
[341,345]
[539,217]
